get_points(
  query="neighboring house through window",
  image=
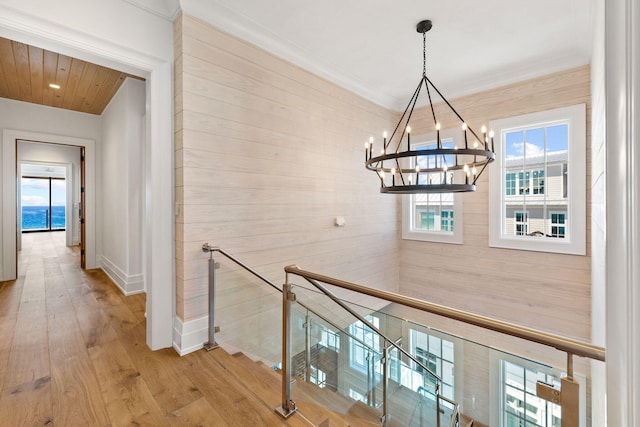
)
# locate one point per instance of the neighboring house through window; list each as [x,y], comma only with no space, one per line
[538,182]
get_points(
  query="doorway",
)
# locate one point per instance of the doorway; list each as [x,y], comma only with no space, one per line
[50,191]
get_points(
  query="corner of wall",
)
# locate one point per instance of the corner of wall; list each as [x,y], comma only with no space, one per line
[190,336]
[129,285]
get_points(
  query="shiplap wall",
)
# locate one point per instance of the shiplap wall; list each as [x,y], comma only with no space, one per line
[266,156]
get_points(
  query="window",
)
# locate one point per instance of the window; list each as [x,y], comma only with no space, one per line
[510,184]
[520,407]
[429,217]
[521,223]
[446,220]
[538,182]
[558,224]
[43,202]
[358,352]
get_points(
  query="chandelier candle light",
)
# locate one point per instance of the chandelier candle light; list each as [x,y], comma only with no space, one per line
[429,170]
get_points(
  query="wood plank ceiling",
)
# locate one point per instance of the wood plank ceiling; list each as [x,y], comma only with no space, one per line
[26,72]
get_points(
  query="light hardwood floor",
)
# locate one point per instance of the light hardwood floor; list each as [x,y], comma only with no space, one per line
[73,353]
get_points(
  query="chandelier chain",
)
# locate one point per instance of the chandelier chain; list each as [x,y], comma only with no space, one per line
[424,54]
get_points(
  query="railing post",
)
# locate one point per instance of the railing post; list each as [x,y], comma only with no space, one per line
[385,385]
[288,406]
[369,381]
[567,396]
[211,344]
[307,348]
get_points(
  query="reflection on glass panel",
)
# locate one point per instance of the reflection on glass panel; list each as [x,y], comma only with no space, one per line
[521,406]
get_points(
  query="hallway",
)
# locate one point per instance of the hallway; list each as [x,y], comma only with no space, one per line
[73,353]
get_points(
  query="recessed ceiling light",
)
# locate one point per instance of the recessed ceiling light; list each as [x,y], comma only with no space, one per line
[54,86]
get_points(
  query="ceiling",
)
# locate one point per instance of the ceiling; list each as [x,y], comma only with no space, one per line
[367,46]
[371,46]
[26,72]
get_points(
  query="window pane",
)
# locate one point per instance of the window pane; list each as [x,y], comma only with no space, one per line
[557,138]
[58,202]
[534,143]
[514,146]
[35,203]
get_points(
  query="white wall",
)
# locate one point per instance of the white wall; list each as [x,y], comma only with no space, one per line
[622,292]
[122,187]
[61,155]
[22,120]
[598,217]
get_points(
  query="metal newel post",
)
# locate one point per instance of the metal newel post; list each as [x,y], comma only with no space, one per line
[288,406]
[211,344]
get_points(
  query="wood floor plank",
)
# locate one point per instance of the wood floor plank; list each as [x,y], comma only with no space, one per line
[162,371]
[128,400]
[27,404]
[76,397]
[29,356]
[197,413]
[226,396]
[95,326]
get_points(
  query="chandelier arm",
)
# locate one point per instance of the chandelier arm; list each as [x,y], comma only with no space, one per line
[415,95]
[414,99]
[481,170]
[452,109]
[433,112]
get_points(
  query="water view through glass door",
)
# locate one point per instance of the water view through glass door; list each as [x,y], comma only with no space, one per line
[43,204]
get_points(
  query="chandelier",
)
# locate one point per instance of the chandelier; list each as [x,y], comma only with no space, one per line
[439,167]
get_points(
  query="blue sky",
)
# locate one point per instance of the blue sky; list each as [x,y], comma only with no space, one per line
[533,143]
[35,192]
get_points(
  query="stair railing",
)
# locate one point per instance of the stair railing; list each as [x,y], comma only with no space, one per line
[288,407]
[567,396]
[211,343]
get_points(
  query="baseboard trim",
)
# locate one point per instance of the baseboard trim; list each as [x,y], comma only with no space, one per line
[190,336]
[128,285]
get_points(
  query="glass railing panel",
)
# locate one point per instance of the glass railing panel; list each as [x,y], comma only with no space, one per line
[491,386]
[332,368]
[411,398]
[248,313]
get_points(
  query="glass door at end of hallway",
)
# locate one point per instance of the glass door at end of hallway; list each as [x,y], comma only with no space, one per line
[43,202]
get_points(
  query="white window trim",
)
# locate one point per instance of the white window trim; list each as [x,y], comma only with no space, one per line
[408,218]
[575,241]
